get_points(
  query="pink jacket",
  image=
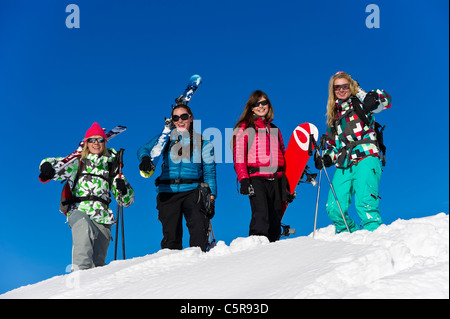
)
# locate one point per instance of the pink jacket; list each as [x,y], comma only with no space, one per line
[263,155]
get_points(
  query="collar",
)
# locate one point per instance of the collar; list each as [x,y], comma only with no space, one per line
[261,121]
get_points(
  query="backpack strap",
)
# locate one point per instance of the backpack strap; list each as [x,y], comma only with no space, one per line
[356,103]
[251,137]
[76,199]
[77,176]
[348,149]
[357,108]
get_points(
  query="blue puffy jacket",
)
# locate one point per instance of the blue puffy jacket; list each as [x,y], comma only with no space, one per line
[198,165]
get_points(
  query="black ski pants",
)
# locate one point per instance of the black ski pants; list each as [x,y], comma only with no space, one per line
[266,208]
[172,207]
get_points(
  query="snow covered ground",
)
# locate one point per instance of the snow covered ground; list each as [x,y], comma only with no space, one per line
[407,259]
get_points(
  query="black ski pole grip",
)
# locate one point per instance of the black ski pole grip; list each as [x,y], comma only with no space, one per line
[323,142]
[120,161]
[312,144]
[120,156]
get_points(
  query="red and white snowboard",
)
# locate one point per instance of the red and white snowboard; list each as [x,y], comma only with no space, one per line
[297,156]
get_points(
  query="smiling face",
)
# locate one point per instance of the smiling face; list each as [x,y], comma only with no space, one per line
[96,147]
[261,108]
[182,119]
[342,88]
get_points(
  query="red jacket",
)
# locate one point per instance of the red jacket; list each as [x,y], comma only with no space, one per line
[263,156]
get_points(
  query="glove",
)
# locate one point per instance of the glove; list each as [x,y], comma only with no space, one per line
[121,187]
[47,172]
[370,102]
[326,161]
[212,208]
[246,187]
[291,197]
[146,164]
[168,123]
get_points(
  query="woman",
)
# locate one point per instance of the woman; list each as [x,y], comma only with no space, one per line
[258,153]
[188,161]
[352,145]
[91,179]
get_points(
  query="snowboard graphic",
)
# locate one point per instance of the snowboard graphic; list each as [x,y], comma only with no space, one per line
[297,155]
[185,98]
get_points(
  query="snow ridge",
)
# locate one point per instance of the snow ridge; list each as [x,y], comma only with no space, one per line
[407,259]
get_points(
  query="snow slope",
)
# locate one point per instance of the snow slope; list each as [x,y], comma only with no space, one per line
[407,259]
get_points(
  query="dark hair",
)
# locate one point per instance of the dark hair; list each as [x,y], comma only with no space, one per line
[191,129]
[247,115]
[187,108]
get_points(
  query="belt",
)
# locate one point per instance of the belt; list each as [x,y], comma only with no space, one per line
[176,181]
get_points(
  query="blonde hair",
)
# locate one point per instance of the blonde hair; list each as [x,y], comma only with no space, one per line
[331,104]
[85,151]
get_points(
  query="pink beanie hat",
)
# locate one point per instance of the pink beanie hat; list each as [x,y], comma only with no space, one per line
[95,129]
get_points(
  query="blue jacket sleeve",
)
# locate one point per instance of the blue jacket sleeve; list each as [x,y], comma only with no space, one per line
[209,166]
[145,149]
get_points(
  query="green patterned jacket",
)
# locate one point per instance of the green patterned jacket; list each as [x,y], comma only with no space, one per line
[93,180]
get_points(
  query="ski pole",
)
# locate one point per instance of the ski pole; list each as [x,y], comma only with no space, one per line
[331,184]
[120,210]
[317,203]
[123,234]
[335,197]
[117,233]
[320,147]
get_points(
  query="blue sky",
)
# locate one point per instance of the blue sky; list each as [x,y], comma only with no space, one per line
[130,59]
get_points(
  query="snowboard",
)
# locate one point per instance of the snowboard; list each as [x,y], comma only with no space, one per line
[297,154]
[185,98]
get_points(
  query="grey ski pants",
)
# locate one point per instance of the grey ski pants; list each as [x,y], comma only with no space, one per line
[90,241]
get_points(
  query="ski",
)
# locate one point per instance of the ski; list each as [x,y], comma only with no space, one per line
[185,98]
[77,153]
[191,88]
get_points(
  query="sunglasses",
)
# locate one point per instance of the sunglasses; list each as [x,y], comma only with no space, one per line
[265,102]
[183,116]
[96,139]
[345,87]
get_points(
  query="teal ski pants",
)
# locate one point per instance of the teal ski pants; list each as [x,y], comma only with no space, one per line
[361,180]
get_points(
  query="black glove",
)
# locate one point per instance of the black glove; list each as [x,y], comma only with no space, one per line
[246,187]
[371,102]
[291,197]
[121,187]
[47,172]
[212,208]
[146,164]
[326,161]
